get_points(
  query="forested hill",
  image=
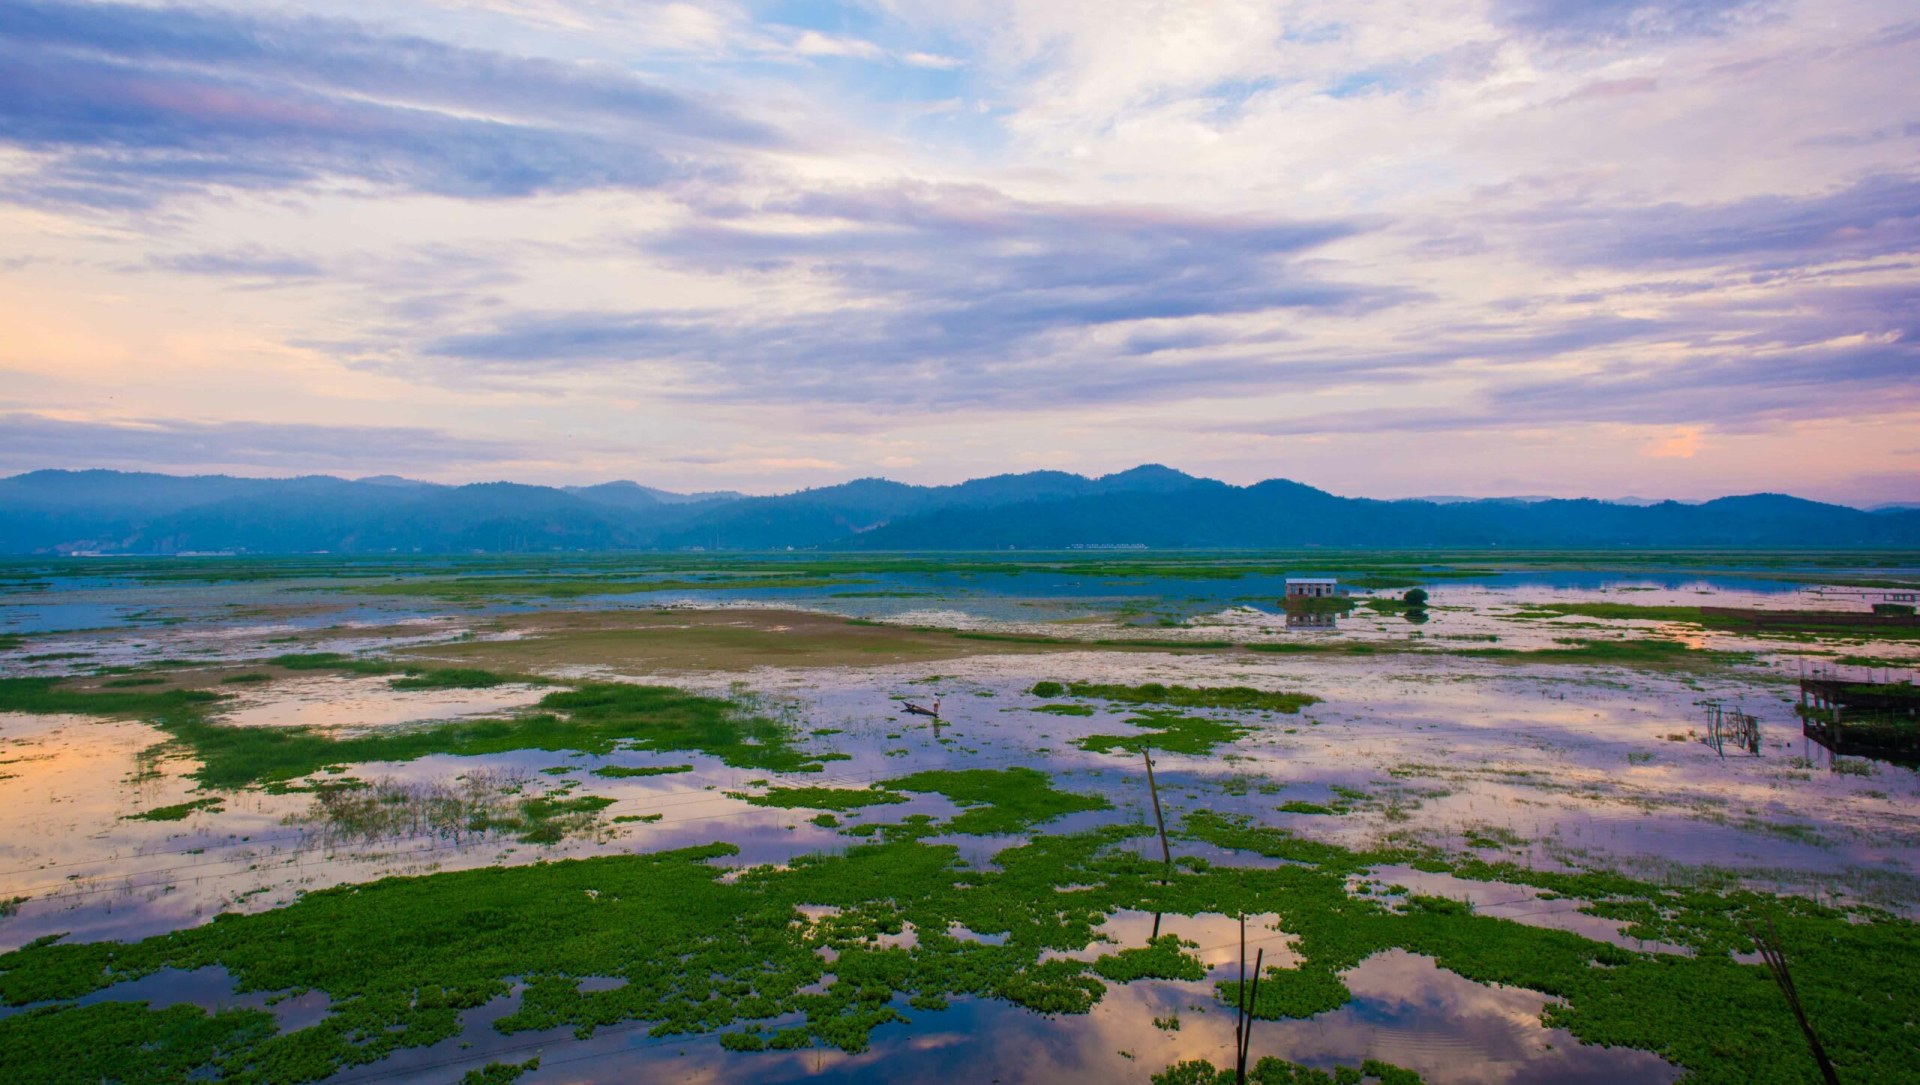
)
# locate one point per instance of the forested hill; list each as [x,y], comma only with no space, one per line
[118,512]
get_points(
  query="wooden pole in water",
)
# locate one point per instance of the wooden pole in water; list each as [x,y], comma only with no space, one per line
[1253,996]
[1166,853]
[1240,1010]
[1769,948]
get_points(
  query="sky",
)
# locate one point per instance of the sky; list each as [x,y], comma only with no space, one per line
[1403,247]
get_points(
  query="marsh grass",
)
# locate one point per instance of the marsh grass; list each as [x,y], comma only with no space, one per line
[1168,731]
[1243,698]
[48,696]
[178,811]
[822,798]
[704,951]
[477,805]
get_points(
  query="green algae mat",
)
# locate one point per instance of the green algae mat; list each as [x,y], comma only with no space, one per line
[401,959]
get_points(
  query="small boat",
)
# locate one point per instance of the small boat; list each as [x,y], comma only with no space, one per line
[922,710]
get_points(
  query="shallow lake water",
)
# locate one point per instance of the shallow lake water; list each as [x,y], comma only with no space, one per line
[1551,765]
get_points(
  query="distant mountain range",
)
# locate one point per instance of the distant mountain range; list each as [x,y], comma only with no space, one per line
[46,512]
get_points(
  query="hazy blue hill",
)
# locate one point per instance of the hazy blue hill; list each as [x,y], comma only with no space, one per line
[1281,513]
[632,495]
[294,519]
[49,511]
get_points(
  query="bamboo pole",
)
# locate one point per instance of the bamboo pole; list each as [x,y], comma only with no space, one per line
[1776,961]
[1166,852]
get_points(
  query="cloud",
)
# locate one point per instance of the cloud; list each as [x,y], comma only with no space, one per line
[942,290]
[1872,217]
[1592,22]
[30,441]
[246,262]
[128,105]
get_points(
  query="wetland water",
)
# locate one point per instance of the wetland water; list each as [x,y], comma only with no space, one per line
[1481,846]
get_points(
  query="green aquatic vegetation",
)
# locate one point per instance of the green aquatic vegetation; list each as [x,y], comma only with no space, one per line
[1174,645]
[1013,638]
[702,955]
[1066,709]
[1165,957]
[1169,731]
[1298,806]
[452,678]
[1048,688]
[474,804]
[622,819]
[548,819]
[500,1073]
[595,718]
[1632,652]
[10,905]
[998,801]
[1243,698]
[50,696]
[331,661]
[823,798]
[178,811]
[624,772]
[825,821]
[125,1042]
[1329,646]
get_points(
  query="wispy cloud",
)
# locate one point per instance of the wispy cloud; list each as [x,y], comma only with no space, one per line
[30,440]
[940,288]
[128,105]
[1603,21]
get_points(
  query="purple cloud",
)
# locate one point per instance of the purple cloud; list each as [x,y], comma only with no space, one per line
[133,104]
[32,441]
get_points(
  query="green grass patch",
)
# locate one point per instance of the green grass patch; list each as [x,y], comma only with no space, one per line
[550,819]
[998,801]
[595,718]
[706,951]
[1297,806]
[1639,652]
[1243,698]
[331,661]
[626,772]
[823,798]
[50,696]
[500,1073]
[1066,709]
[178,811]
[1169,731]
[453,678]
[1165,958]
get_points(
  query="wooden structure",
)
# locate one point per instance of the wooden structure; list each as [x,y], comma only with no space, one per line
[1311,587]
[1873,719]
[1731,727]
[1800,619]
